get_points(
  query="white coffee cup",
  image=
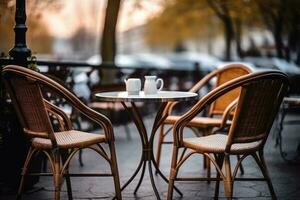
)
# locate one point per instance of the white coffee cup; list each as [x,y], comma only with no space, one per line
[151,83]
[133,86]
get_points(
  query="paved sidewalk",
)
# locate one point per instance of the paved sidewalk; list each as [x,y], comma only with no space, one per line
[285,176]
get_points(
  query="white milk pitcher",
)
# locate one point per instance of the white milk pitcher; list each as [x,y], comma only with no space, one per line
[150,86]
[133,86]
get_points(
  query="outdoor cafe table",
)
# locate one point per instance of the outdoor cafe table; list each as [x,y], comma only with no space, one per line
[147,143]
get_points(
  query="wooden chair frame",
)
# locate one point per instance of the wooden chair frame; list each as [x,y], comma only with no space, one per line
[277,82]
[214,109]
[59,157]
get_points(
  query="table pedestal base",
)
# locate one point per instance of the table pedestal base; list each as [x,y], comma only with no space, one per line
[147,145]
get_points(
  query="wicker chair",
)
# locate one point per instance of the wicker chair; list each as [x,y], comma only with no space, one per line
[25,89]
[221,107]
[259,100]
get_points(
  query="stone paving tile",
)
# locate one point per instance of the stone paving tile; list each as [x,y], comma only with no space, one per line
[285,176]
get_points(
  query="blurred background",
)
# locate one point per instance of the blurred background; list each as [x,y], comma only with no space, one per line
[160,33]
[93,45]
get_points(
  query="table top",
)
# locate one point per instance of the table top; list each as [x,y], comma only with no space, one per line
[161,96]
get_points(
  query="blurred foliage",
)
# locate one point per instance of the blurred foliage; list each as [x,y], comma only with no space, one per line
[38,37]
[6,25]
[281,18]
[180,20]
[234,15]
[188,19]
[32,63]
[183,20]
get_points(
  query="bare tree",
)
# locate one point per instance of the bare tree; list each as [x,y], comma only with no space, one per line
[108,44]
[273,13]
[221,9]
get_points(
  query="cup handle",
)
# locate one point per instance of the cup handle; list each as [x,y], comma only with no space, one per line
[161,83]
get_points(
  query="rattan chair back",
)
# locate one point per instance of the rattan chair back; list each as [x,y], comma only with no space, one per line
[257,107]
[224,75]
[26,96]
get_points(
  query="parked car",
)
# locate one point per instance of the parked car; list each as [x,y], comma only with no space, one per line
[274,63]
[140,60]
[188,60]
[122,60]
[150,60]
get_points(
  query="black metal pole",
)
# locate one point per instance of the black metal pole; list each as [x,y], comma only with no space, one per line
[20,52]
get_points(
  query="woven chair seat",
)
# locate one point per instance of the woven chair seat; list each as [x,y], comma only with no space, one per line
[198,122]
[69,139]
[217,143]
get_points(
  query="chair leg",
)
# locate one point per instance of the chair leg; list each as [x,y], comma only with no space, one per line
[57,176]
[159,144]
[228,181]
[80,158]
[114,171]
[206,160]
[76,121]
[241,165]
[24,172]
[220,159]
[173,172]
[66,173]
[265,173]
[208,168]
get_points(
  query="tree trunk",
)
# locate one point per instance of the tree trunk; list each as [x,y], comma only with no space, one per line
[108,44]
[298,56]
[222,11]
[229,33]
[238,39]
[293,39]
[274,20]
[278,39]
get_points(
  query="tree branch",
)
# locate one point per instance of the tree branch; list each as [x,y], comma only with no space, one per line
[215,8]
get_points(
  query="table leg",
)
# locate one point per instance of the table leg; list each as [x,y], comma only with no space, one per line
[152,180]
[147,145]
[142,132]
[159,119]
[141,178]
[134,174]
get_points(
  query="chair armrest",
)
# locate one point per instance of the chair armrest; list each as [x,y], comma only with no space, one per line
[204,81]
[63,119]
[169,107]
[195,88]
[227,113]
[183,121]
[94,116]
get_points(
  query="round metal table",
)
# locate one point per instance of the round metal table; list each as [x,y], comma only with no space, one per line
[147,143]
